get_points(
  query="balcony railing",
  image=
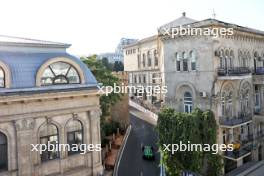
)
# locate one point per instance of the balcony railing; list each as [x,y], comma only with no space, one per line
[233,71]
[249,138]
[232,121]
[258,71]
[260,134]
[237,153]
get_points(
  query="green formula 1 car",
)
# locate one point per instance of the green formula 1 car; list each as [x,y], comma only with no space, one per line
[148,153]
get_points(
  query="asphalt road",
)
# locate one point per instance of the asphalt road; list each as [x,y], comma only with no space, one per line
[131,163]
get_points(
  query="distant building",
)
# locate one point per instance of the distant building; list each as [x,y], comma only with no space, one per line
[46,97]
[118,54]
[142,62]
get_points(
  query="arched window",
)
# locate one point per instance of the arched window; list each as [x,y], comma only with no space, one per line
[49,135]
[227,101]
[178,62]
[3,152]
[223,109]
[229,106]
[144,60]
[60,73]
[229,58]
[149,59]
[156,58]
[244,94]
[2,78]
[187,102]
[74,136]
[185,61]
[193,60]
[256,60]
[222,59]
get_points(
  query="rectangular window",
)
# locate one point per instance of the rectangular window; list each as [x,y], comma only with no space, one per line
[149,61]
[74,138]
[193,66]
[178,65]
[139,60]
[185,65]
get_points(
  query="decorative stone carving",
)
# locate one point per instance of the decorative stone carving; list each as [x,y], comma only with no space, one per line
[75,115]
[25,124]
[96,113]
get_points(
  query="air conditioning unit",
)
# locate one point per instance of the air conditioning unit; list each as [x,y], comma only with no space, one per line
[203,94]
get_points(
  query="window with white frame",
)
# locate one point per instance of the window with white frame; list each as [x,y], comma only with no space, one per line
[193,60]
[188,102]
[60,73]
[185,61]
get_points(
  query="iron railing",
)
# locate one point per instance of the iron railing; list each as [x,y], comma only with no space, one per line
[233,71]
[231,121]
[258,71]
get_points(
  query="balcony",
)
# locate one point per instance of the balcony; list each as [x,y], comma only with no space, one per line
[234,121]
[243,151]
[258,71]
[260,134]
[249,138]
[233,71]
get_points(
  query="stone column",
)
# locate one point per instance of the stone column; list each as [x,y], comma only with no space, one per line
[24,132]
[239,162]
[96,139]
[231,135]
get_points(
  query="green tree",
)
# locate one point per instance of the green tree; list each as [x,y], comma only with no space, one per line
[104,76]
[196,128]
[118,66]
[107,64]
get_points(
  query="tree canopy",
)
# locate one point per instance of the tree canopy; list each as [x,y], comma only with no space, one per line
[197,127]
[104,76]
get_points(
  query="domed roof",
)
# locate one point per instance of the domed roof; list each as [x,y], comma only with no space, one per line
[24,66]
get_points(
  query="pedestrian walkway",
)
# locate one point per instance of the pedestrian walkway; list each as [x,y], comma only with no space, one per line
[112,155]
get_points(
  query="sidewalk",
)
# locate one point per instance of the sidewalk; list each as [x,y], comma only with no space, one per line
[112,155]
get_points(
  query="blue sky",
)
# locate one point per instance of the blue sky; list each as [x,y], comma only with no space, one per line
[95,26]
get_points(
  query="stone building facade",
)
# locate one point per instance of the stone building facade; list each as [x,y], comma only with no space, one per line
[46,96]
[142,62]
[224,74]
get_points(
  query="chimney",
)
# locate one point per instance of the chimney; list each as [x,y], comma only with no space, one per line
[184,14]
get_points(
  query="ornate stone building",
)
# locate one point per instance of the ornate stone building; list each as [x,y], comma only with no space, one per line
[46,96]
[142,62]
[223,73]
